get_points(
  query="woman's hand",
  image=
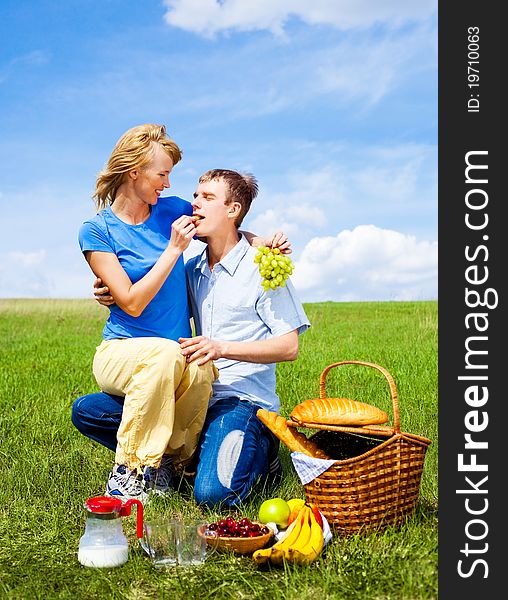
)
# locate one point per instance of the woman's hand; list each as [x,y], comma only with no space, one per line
[182,232]
[133,298]
[101,293]
[200,349]
[279,240]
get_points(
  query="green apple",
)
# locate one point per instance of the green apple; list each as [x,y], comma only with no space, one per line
[275,510]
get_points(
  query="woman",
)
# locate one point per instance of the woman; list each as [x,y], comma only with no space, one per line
[135,245]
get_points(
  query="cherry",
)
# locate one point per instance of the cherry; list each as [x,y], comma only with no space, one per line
[254,533]
[243,527]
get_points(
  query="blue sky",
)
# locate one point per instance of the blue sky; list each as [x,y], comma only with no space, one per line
[331,104]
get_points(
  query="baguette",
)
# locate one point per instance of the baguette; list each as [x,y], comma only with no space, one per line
[337,411]
[290,436]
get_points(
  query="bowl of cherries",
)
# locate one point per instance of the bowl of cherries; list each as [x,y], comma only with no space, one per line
[242,536]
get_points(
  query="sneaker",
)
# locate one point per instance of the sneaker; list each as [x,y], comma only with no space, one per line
[159,480]
[125,484]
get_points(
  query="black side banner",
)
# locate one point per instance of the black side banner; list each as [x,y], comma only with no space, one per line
[473,361]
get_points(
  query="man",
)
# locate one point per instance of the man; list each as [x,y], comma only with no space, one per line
[245,330]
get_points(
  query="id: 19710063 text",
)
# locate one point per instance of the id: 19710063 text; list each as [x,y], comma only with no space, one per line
[473,69]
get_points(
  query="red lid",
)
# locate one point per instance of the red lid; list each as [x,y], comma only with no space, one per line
[103,504]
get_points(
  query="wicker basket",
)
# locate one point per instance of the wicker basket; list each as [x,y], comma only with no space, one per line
[374,489]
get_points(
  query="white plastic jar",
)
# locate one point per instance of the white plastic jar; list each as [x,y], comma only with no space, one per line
[104,544]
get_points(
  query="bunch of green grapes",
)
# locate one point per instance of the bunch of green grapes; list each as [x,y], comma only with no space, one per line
[273,266]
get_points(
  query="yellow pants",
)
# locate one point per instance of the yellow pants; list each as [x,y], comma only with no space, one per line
[166,398]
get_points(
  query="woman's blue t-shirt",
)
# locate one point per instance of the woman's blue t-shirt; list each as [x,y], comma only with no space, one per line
[138,247]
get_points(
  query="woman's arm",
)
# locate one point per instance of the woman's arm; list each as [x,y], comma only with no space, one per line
[134,297]
[105,295]
[277,240]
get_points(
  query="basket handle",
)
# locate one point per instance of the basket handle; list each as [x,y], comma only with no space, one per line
[388,377]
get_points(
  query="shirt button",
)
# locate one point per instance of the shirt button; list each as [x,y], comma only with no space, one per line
[208,305]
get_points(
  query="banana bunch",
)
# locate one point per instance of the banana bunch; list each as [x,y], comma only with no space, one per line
[301,543]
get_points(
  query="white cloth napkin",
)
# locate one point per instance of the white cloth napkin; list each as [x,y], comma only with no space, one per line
[308,468]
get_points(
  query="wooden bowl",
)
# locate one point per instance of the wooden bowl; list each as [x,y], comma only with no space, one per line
[241,545]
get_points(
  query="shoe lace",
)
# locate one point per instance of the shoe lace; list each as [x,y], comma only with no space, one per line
[131,481]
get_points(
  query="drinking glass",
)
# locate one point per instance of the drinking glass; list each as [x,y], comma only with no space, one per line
[160,541]
[195,543]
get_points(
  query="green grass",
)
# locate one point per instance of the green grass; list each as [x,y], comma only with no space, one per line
[49,469]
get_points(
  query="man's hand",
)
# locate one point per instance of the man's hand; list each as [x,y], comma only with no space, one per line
[280,240]
[200,349]
[101,293]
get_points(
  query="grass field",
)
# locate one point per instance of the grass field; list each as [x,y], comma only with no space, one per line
[48,469]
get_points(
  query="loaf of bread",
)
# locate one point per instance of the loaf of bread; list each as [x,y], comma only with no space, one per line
[294,439]
[337,411]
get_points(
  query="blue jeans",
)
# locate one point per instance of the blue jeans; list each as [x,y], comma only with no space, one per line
[235,450]
[98,417]
[234,453]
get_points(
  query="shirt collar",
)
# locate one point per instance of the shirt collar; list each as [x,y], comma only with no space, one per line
[230,262]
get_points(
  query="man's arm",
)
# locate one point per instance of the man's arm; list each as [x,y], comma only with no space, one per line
[278,349]
[101,293]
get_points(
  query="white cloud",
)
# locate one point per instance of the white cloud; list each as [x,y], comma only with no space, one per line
[287,216]
[356,70]
[259,78]
[367,263]
[272,220]
[207,17]
[301,208]
[341,187]
[330,187]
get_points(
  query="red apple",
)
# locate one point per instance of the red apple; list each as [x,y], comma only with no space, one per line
[317,514]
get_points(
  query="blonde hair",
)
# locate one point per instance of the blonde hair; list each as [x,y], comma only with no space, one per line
[134,150]
[240,187]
